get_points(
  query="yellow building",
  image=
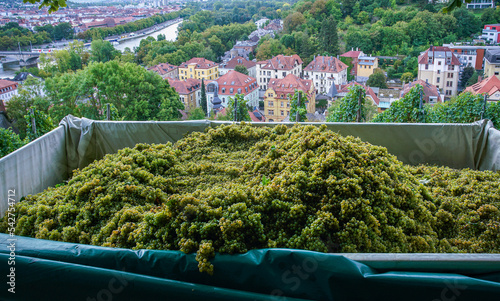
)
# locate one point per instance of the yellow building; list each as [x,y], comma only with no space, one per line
[280,91]
[366,65]
[199,68]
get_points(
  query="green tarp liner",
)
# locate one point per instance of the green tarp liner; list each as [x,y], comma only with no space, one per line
[61,271]
[47,270]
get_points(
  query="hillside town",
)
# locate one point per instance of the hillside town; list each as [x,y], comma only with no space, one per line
[81,18]
[250,150]
[268,85]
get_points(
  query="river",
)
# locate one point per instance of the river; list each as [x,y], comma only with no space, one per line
[170,33]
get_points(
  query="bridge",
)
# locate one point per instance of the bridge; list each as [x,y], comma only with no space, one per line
[23,58]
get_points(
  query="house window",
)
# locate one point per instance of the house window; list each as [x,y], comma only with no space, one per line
[452,67]
[282,104]
[271,103]
[270,95]
[496,73]
[426,67]
[231,90]
[284,74]
[287,104]
[439,63]
[239,90]
[223,90]
[450,75]
[282,113]
[448,92]
[437,79]
[439,71]
[270,112]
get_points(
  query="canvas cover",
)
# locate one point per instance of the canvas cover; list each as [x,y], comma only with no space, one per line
[47,270]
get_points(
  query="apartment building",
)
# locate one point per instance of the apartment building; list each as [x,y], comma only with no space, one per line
[440,67]
[278,68]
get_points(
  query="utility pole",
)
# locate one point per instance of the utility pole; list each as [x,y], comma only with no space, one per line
[235,108]
[108,112]
[33,122]
[358,114]
[420,106]
[484,106]
[297,115]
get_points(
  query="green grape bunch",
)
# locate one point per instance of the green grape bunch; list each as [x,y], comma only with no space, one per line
[234,188]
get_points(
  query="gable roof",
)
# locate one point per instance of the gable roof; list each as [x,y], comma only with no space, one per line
[369,91]
[200,62]
[429,89]
[352,53]
[185,86]
[439,52]
[162,68]
[326,64]
[238,60]
[489,85]
[281,62]
[290,83]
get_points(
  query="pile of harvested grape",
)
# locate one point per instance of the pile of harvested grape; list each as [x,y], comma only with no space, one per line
[240,187]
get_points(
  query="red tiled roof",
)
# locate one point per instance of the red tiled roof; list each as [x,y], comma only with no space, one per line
[369,91]
[351,53]
[254,118]
[185,86]
[235,80]
[281,62]
[238,61]
[7,83]
[290,83]
[326,64]
[163,68]
[424,58]
[201,63]
[429,89]
[489,85]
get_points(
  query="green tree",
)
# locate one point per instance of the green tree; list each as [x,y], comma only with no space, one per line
[473,79]
[350,108]
[406,109]
[467,23]
[294,106]
[407,77]
[196,114]
[377,79]
[464,108]
[9,141]
[293,21]
[136,93]
[203,97]
[102,51]
[241,112]
[63,31]
[328,36]
[241,69]
[30,94]
[43,124]
[466,75]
